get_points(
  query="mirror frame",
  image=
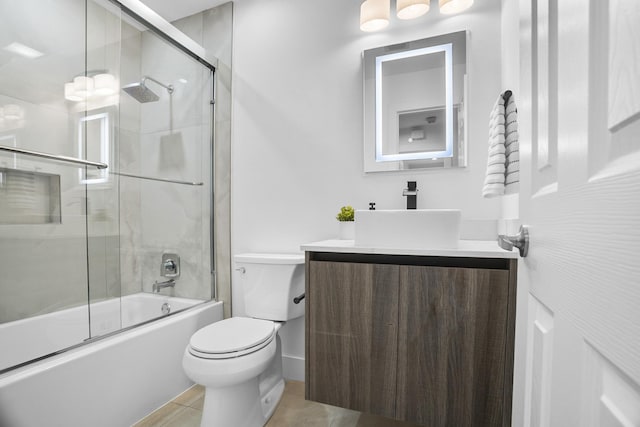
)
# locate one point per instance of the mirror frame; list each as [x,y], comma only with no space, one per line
[453,154]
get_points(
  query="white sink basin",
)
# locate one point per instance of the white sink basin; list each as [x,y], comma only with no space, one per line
[408,229]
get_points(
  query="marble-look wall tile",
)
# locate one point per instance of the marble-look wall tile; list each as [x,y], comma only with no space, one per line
[176,155]
[41,274]
[222,202]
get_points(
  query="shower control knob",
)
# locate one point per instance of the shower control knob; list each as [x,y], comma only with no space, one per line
[170,265]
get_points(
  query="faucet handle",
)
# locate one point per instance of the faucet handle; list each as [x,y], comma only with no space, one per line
[170,266]
[411,190]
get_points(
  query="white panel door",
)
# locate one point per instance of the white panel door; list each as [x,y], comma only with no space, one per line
[579,116]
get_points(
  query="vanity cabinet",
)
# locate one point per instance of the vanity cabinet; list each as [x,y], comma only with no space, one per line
[421,339]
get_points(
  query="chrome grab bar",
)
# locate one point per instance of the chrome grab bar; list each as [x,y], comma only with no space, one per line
[56,157]
[520,241]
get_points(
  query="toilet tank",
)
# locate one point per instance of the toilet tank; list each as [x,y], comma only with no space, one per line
[269,284]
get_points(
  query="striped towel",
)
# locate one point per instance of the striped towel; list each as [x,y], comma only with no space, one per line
[496,161]
[503,166]
[512,177]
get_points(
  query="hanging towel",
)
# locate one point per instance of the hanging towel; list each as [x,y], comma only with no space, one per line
[512,177]
[496,160]
[503,160]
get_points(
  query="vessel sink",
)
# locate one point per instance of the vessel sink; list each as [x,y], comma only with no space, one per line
[408,229]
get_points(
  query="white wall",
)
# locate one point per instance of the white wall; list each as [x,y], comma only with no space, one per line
[297,124]
[511,80]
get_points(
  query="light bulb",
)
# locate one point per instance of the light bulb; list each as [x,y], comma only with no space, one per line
[70,93]
[83,86]
[449,7]
[104,84]
[410,9]
[374,15]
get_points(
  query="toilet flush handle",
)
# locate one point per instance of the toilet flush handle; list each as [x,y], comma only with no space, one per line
[299,298]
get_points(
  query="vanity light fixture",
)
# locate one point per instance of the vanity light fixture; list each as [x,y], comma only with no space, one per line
[83,86]
[374,15]
[449,7]
[95,83]
[410,9]
[104,84]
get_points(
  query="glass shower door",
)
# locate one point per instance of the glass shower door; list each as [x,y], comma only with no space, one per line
[165,167]
[45,202]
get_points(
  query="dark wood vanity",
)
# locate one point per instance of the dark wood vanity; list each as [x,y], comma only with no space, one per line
[426,339]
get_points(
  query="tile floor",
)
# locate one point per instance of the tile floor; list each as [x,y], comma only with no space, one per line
[292,411]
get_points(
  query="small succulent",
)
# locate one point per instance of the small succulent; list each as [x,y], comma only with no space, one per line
[346,214]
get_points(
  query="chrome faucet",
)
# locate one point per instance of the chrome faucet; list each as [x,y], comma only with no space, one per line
[166,284]
[411,193]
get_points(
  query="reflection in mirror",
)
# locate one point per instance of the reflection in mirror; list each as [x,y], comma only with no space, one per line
[94,145]
[413,104]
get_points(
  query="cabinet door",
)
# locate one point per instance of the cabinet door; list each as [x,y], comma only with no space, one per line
[352,335]
[452,346]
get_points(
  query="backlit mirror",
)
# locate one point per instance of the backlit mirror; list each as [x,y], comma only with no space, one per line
[94,141]
[414,97]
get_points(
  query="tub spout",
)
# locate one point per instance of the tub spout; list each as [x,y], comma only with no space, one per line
[166,284]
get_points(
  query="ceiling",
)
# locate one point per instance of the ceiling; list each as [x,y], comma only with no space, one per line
[172,10]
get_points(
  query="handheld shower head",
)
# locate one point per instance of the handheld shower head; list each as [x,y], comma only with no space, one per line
[141,93]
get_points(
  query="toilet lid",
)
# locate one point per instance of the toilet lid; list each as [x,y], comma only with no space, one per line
[236,334]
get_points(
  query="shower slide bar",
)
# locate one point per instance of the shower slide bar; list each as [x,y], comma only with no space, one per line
[55,157]
[173,181]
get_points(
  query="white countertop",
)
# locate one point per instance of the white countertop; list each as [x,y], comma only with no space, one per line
[466,248]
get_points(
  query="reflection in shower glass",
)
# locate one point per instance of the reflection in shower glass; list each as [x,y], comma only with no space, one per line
[82,241]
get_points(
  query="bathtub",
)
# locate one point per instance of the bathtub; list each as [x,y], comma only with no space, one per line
[114,381]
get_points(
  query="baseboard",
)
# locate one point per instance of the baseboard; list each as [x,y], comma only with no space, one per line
[293,367]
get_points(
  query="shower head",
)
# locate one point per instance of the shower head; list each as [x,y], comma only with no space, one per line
[141,93]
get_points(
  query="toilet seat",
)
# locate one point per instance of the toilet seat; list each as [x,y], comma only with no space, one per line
[231,338]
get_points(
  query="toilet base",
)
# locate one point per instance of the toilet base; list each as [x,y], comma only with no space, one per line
[239,406]
[248,404]
[270,400]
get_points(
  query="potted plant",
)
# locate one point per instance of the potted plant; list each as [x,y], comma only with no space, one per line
[346,220]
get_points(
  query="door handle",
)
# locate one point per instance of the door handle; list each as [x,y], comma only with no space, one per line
[520,241]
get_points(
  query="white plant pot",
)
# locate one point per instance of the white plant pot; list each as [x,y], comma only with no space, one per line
[347,230]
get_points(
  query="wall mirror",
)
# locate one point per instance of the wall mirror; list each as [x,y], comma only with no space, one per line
[414,98]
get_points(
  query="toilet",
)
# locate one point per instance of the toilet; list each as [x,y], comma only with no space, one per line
[239,360]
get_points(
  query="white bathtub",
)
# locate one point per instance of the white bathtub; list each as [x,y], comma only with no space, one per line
[111,382]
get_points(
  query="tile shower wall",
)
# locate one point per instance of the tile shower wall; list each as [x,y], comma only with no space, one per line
[170,141]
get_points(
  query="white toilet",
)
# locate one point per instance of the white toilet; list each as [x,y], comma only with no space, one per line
[239,360]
